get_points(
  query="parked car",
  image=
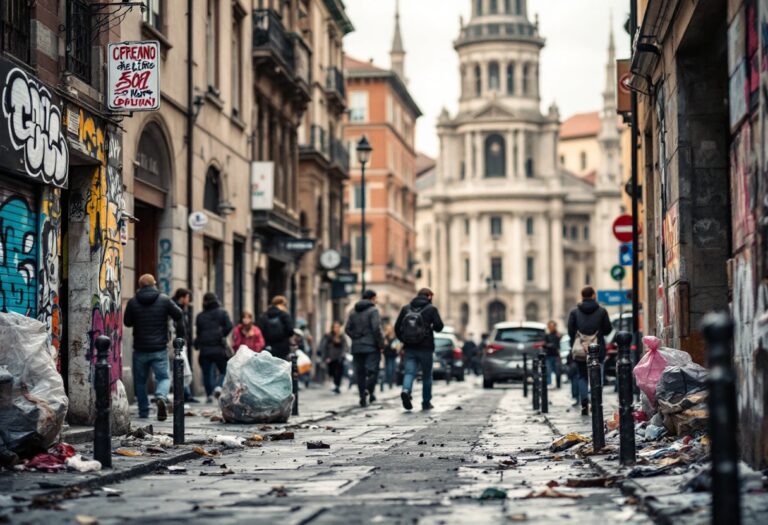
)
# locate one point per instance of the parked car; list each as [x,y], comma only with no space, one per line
[448,359]
[503,354]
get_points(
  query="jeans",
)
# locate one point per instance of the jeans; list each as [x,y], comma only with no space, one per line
[389,370]
[142,361]
[552,369]
[367,371]
[415,359]
[209,366]
[583,381]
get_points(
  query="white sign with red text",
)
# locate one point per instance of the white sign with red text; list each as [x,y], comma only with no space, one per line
[133,76]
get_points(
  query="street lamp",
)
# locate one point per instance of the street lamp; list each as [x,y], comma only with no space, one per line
[364,150]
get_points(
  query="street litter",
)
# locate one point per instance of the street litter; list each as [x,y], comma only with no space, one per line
[155,450]
[80,464]
[229,441]
[162,440]
[313,445]
[493,493]
[31,390]
[176,469]
[224,472]
[591,482]
[551,493]
[128,453]
[257,389]
[522,516]
[650,368]
[53,460]
[200,451]
[86,520]
[567,441]
[142,432]
[111,493]
[280,436]
[279,492]
[256,437]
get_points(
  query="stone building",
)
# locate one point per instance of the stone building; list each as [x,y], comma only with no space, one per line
[382,109]
[504,232]
[704,180]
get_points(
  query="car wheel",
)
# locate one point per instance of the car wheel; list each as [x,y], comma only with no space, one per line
[487,383]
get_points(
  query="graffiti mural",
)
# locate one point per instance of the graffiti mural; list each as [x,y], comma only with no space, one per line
[49,308]
[165,266]
[34,127]
[18,255]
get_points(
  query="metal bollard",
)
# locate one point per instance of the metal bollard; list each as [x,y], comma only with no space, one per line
[536,388]
[543,383]
[596,393]
[525,375]
[625,384]
[295,376]
[102,429]
[178,392]
[723,420]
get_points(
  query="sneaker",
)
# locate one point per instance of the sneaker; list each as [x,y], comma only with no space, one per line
[336,390]
[405,397]
[217,392]
[585,408]
[364,400]
[427,406]
[371,398]
[193,400]
[162,410]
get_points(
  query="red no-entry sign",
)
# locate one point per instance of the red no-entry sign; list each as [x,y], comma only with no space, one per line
[622,228]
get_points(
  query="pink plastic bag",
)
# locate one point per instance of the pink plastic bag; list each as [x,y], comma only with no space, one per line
[648,371]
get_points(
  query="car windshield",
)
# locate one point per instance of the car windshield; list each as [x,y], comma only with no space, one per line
[519,335]
[442,342]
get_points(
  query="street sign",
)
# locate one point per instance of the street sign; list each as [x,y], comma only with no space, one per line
[622,228]
[299,245]
[623,92]
[346,278]
[197,221]
[614,297]
[625,254]
[133,76]
[618,273]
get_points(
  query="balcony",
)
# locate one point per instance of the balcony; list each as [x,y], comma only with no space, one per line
[318,144]
[334,85]
[340,156]
[489,32]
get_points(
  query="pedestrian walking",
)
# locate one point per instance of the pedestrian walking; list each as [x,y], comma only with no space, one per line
[415,327]
[277,328]
[183,297]
[391,349]
[364,328]
[213,326]
[588,323]
[469,350]
[148,313]
[246,333]
[333,349]
[552,350]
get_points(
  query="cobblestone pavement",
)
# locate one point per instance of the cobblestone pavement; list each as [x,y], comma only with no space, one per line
[383,466]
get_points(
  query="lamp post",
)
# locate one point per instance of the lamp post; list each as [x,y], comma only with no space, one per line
[364,150]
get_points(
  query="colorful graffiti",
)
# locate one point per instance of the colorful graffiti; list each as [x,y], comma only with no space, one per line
[18,256]
[165,266]
[49,308]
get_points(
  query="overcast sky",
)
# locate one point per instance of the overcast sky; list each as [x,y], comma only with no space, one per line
[572,62]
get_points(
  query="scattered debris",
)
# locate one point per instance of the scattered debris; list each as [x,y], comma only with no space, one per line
[80,464]
[493,493]
[552,484]
[551,493]
[521,516]
[53,460]
[280,436]
[142,432]
[591,482]
[567,441]
[111,493]
[279,492]
[313,445]
[213,453]
[155,450]
[229,441]
[256,437]
[82,519]
[174,469]
[225,472]
[422,442]
[128,452]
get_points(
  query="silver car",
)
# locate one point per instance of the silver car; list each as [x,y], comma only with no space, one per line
[503,355]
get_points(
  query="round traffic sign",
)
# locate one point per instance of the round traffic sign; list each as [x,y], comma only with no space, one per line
[197,221]
[622,228]
[618,273]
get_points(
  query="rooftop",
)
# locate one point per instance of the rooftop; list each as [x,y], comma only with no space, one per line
[580,125]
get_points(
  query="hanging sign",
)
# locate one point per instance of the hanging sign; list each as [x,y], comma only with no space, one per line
[133,76]
[197,221]
[262,185]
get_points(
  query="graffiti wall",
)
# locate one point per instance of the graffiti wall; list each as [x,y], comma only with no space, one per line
[49,270]
[18,249]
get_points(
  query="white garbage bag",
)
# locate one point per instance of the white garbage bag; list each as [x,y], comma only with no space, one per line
[33,403]
[257,388]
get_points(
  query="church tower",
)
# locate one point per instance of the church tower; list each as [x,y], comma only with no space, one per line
[397,53]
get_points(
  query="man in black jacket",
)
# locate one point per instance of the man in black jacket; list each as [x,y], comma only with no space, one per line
[364,328]
[415,327]
[148,314]
[182,297]
[277,327]
[588,319]
[213,326]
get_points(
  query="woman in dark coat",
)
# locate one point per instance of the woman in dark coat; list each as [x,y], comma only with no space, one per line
[213,326]
[333,348]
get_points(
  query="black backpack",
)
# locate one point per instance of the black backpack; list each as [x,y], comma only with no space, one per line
[414,327]
[275,331]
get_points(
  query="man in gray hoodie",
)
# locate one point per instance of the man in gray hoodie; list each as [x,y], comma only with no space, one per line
[364,328]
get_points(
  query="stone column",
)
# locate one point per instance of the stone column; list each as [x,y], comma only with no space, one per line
[480,155]
[510,168]
[469,168]
[444,266]
[518,270]
[521,154]
[556,265]
[476,317]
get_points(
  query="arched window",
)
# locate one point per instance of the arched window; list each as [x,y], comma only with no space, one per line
[510,79]
[494,7]
[519,7]
[478,7]
[478,80]
[532,312]
[526,79]
[497,313]
[493,76]
[153,164]
[212,195]
[495,156]
[529,226]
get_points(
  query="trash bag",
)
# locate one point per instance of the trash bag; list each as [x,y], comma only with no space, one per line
[679,381]
[303,363]
[257,388]
[686,416]
[33,403]
[651,366]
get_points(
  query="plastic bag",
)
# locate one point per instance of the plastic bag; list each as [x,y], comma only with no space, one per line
[33,403]
[187,368]
[257,388]
[679,381]
[303,362]
[651,366]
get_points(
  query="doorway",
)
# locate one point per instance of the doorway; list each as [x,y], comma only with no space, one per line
[146,239]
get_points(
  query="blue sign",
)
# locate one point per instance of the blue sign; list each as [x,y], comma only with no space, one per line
[625,254]
[614,297]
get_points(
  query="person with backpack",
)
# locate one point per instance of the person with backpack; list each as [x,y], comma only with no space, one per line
[588,324]
[415,328]
[364,328]
[276,326]
[213,326]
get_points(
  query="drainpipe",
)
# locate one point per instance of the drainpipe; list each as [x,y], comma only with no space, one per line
[190,136]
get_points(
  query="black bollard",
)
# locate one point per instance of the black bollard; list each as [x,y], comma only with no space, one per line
[543,383]
[625,385]
[102,429]
[536,379]
[723,420]
[178,392]
[295,376]
[525,375]
[596,393]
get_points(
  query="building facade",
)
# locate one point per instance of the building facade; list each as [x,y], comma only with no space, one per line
[504,232]
[382,109]
[703,175]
